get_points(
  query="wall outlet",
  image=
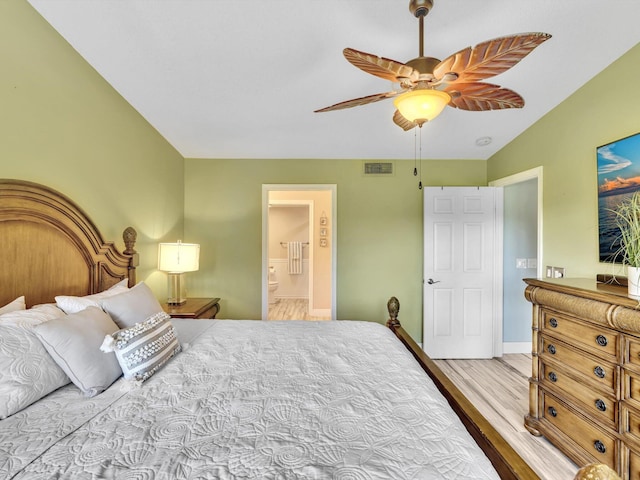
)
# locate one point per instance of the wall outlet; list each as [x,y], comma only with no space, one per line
[555,272]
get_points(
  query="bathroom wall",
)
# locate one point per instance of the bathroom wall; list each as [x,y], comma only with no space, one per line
[322,205]
[289,224]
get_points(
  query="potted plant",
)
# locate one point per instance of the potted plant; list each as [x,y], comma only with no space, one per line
[627,215]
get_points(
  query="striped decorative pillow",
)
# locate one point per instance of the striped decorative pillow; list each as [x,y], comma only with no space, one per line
[145,347]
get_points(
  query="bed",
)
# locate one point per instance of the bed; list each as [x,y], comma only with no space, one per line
[229,399]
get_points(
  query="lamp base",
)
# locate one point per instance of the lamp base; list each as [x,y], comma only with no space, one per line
[177,291]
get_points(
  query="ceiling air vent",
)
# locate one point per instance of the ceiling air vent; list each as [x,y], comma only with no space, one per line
[378,168]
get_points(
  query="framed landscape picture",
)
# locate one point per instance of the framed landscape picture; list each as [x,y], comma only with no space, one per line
[618,178]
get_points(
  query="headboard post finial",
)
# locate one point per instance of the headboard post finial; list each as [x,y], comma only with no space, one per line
[129,236]
[393,306]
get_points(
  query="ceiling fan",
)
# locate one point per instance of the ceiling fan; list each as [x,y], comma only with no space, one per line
[427,85]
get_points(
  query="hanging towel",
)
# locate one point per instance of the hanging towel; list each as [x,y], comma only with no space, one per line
[295,258]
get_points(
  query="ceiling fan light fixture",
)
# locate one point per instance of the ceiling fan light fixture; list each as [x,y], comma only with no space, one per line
[421,105]
[431,84]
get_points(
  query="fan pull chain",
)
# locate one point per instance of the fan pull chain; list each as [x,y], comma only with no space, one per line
[420,182]
[415,153]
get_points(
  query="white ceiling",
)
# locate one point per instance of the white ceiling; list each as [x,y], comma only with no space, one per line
[241,78]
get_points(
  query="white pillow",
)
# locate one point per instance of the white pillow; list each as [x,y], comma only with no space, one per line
[27,371]
[145,347]
[72,304]
[15,305]
[133,306]
[74,340]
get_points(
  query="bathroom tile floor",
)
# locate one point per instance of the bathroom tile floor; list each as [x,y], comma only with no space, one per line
[292,309]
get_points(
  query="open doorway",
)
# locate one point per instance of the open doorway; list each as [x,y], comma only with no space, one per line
[298,252]
[522,254]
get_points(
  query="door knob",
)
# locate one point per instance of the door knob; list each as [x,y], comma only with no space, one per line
[431,281]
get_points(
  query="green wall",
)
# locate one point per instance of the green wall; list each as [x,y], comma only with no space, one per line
[564,142]
[379,228]
[63,125]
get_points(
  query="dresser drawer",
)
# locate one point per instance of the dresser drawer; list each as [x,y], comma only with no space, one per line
[595,442]
[598,340]
[633,351]
[634,465]
[631,390]
[630,423]
[593,403]
[603,373]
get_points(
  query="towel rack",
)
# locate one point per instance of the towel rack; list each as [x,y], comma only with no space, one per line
[285,244]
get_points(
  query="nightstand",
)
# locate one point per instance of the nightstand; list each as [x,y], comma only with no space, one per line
[194,308]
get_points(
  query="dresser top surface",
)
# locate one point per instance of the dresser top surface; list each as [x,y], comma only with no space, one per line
[587,288]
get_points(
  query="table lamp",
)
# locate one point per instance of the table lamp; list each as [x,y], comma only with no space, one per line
[176,259]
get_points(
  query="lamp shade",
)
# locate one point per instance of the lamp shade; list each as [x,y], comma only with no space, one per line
[421,105]
[178,257]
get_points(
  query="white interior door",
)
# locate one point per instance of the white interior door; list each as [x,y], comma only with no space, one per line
[462,302]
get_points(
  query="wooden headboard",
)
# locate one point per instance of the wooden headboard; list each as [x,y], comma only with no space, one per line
[49,246]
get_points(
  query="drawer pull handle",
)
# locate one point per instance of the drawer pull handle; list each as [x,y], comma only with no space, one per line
[553,322]
[600,405]
[599,372]
[552,411]
[599,446]
[601,340]
[551,349]
[553,377]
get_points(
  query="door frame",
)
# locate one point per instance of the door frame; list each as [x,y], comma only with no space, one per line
[333,232]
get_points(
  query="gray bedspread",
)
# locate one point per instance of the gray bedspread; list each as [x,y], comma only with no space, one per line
[253,400]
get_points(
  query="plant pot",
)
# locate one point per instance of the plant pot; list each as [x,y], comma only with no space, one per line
[633,281]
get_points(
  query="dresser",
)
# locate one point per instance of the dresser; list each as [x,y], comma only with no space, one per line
[584,392]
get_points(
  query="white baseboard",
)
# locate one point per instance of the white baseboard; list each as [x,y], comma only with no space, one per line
[516,347]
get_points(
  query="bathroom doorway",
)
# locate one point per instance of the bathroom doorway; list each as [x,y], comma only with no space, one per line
[298,252]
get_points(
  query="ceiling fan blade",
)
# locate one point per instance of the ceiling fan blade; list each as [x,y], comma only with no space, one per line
[483,96]
[489,58]
[402,122]
[380,66]
[356,102]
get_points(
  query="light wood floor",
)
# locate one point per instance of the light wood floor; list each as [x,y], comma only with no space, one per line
[292,309]
[499,389]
